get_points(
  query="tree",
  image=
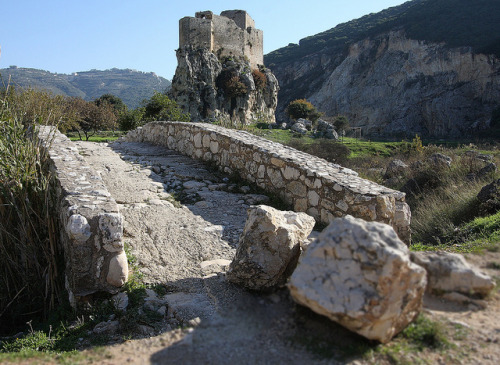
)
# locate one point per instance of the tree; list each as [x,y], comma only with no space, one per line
[341,124]
[118,105]
[161,107]
[301,108]
[89,117]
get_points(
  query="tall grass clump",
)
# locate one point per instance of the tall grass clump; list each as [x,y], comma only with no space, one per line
[30,265]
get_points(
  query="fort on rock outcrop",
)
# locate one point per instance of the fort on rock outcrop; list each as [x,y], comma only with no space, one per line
[220,73]
[232,33]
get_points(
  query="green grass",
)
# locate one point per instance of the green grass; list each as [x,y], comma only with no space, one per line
[100,137]
[482,233]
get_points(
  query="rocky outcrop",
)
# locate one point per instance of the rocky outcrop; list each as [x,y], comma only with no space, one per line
[389,84]
[359,274]
[269,247]
[449,272]
[226,89]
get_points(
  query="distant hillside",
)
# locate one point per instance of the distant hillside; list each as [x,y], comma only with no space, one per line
[427,66]
[129,85]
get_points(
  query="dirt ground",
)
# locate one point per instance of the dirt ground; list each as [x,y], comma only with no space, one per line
[475,339]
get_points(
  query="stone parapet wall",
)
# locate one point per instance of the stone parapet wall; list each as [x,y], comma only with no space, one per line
[310,184]
[90,225]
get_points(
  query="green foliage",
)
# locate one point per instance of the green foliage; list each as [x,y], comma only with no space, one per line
[131,119]
[38,341]
[425,333]
[341,123]
[90,117]
[30,106]
[30,259]
[417,144]
[161,107]
[118,105]
[301,108]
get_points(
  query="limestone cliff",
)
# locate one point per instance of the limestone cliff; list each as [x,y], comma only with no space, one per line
[227,89]
[390,84]
[426,66]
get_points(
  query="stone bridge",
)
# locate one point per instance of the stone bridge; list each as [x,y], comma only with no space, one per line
[92,226]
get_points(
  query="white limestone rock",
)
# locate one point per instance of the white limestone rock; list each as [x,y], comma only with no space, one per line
[78,228]
[118,270]
[449,272]
[269,247]
[359,274]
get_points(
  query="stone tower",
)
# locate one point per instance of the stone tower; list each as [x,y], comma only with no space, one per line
[220,73]
[232,33]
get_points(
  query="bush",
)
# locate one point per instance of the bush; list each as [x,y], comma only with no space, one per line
[231,83]
[131,119]
[301,108]
[260,79]
[161,107]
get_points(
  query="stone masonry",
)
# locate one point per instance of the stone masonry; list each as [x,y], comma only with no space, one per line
[232,33]
[90,224]
[323,190]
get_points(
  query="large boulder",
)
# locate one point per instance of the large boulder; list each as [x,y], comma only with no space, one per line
[299,127]
[396,168]
[269,247]
[359,274]
[489,196]
[439,160]
[449,272]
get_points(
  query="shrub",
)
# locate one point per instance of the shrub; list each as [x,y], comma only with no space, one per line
[231,83]
[235,87]
[30,261]
[30,106]
[341,123]
[131,119]
[260,79]
[161,107]
[301,108]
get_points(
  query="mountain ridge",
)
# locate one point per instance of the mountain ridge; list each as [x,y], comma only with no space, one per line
[129,85]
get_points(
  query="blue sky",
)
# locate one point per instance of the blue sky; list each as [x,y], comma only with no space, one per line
[67,36]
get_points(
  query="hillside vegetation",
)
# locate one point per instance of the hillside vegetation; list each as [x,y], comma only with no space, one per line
[132,87]
[458,23]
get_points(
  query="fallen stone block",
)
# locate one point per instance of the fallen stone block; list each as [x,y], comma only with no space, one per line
[269,247]
[449,272]
[359,274]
